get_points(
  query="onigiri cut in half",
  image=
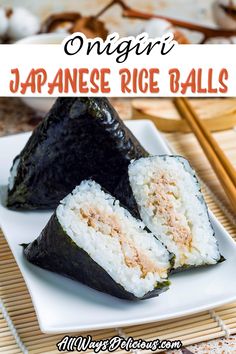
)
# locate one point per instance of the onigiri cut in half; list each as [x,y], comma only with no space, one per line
[93,239]
[172,206]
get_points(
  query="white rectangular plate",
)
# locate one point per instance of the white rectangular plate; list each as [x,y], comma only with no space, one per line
[63,305]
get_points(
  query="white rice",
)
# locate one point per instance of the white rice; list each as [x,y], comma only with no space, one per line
[171,205]
[94,236]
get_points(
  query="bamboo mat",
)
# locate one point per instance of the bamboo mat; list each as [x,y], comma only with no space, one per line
[19,330]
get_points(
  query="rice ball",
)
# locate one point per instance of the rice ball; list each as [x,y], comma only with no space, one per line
[22,23]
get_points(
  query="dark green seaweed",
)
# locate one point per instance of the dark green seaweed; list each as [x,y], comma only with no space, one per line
[124,194]
[54,250]
[79,138]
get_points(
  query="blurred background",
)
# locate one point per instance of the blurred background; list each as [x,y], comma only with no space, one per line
[20,18]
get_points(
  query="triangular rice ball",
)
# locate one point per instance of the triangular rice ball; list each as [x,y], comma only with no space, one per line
[93,239]
[79,138]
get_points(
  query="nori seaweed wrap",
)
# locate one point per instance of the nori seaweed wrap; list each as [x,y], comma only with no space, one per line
[94,240]
[79,138]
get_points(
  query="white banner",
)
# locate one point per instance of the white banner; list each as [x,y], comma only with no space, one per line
[46,70]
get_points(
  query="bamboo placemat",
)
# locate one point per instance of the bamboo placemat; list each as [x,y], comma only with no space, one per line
[19,330]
